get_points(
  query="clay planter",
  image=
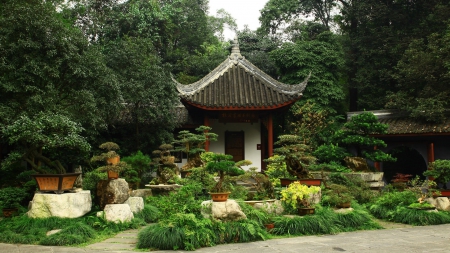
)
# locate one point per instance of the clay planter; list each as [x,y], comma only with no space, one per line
[269,226]
[444,193]
[311,181]
[219,196]
[9,212]
[306,181]
[302,211]
[286,181]
[113,160]
[57,183]
[112,175]
[344,205]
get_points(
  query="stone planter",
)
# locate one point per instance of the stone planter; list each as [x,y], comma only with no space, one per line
[254,202]
[57,183]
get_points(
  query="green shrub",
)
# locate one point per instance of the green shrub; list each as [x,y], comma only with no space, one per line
[149,214]
[182,201]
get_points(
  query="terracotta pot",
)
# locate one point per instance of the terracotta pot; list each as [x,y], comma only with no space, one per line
[344,205]
[219,196]
[113,160]
[445,192]
[286,181]
[306,181]
[311,181]
[269,226]
[57,183]
[302,211]
[112,175]
[9,212]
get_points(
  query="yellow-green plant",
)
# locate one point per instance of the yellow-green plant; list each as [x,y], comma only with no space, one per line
[298,195]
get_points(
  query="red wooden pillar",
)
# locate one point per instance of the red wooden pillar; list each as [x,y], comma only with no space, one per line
[270,135]
[206,123]
[376,164]
[430,152]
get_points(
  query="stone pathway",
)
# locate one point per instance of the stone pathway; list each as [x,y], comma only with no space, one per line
[124,241]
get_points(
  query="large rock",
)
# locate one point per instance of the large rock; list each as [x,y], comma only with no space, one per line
[356,163]
[112,192]
[118,213]
[275,207]
[141,193]
[225,211]
[67,205]
[441,203]
[136,204]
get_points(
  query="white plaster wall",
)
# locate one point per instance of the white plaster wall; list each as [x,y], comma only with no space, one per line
[252,135]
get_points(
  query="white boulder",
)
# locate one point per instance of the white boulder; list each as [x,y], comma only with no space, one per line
[136,204]
[225,211]
[66,205]
[118,213]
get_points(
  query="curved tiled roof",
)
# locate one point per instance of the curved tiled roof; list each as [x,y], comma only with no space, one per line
[238,84]
[399,123]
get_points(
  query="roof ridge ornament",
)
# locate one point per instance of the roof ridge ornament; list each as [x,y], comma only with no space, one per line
[235,51]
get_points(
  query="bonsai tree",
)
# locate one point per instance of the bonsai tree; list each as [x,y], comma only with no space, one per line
[440,171]
[11,197]
[222,165]
[297,155]
[357,134]
[193,144]
[110,157]
[337,195]
[260,182]
[140,167]
[40,138]
[165,164]
[298,195]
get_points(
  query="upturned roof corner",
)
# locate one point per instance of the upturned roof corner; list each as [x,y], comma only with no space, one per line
[237,83]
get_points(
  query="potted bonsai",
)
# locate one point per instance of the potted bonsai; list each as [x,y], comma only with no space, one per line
[165,165]
[338,195]
[42,141]
[112,160]
[193,145]
[297,157]
[222,165]
[440,171]
[10,199]
[300,196]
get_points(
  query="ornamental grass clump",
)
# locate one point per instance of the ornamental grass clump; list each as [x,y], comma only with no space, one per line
[298,195]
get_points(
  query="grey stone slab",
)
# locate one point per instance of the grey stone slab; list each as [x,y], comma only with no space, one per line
[111,246]
[121,240]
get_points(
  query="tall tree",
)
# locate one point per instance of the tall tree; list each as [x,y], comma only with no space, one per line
[277,13]
[322,60]
[148,91]
[48,68]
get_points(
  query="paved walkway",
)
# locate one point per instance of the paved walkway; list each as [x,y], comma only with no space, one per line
[397,238]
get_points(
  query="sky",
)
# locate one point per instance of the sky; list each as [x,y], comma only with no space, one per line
[246,12]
